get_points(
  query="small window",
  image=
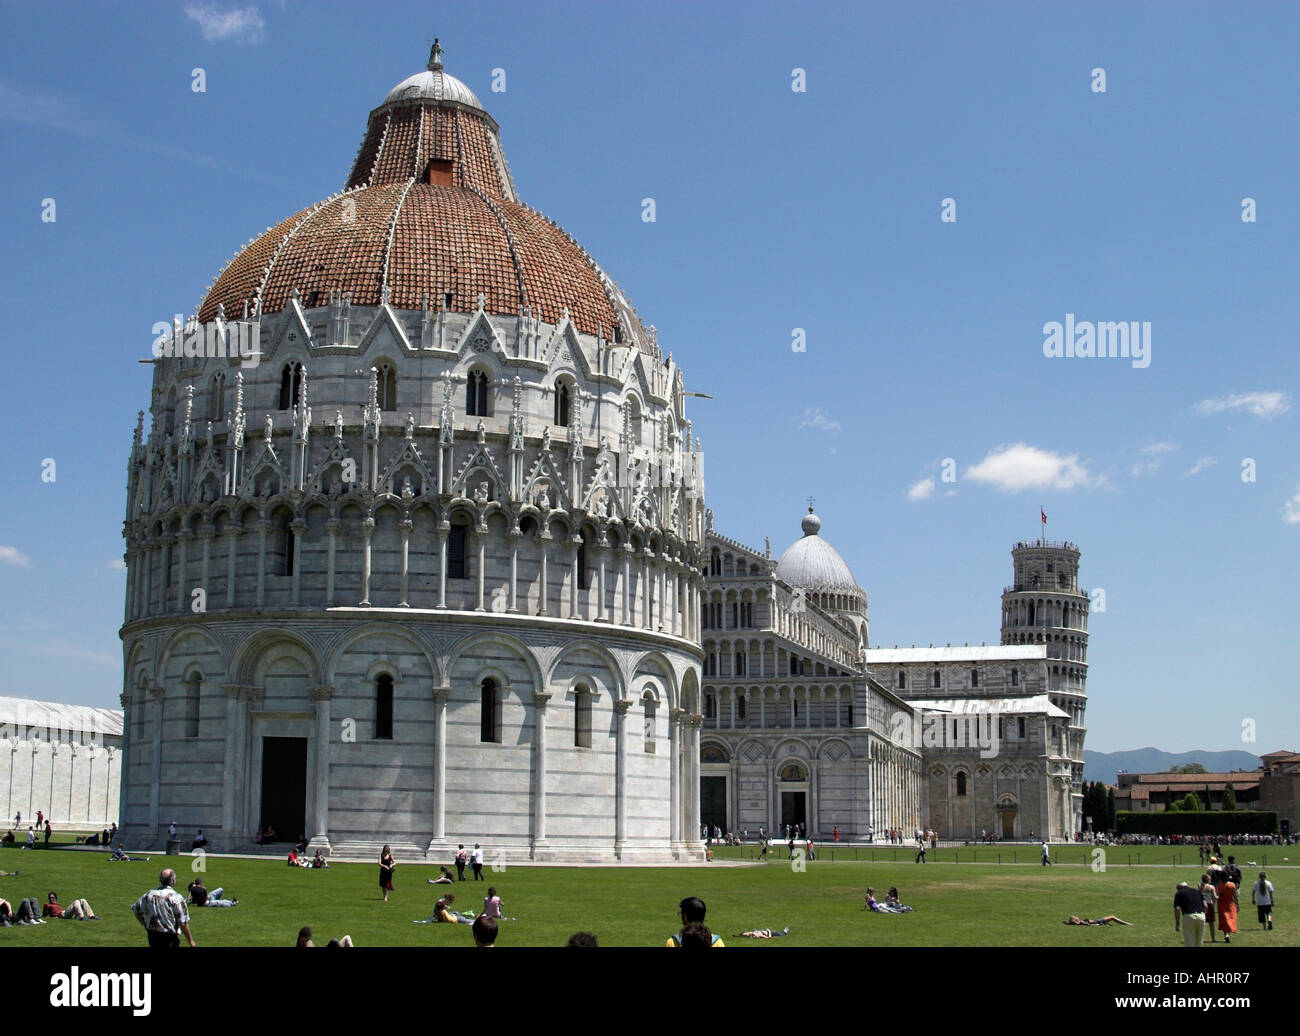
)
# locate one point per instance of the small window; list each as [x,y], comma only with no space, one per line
[584,576]
[439,173]
[1021,726]
[384,707]
[650,705]
[217,398]
[740,664]
[562,404]
[710,707]
[490,714]
[934,679]
[961,785]
[282,543]
[740,707]
[387,384]
[902,680]
[476,395]
[290,384]
[1015,677]
[457,568]
[974,677]
[582,718]
[715,564]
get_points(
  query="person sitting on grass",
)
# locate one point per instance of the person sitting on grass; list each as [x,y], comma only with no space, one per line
[201,897]
[764,933]
[893,905]
[485,932]
[696,936]
[295,860]
[692,911]
[77,910]
[319,862]
[304,940]
[582,940]
[8,838]
[1092,921]
[119,855]
[445,878]
[28,912]
[443,914]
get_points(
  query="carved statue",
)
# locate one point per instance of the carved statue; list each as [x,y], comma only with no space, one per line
[481,494]
[407,492]
[410,425]
[543,499]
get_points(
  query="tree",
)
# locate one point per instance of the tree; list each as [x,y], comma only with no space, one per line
[1110,809]
[1187,768]
[1229,796]
[1192,803]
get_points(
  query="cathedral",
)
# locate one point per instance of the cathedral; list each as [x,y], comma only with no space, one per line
[431,563]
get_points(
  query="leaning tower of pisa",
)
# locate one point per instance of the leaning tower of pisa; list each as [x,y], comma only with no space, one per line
[1045,605]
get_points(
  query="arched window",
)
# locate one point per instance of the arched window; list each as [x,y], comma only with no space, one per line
[712,754]
[1021,726]
[1015,677]
[290,383]
[902,680]
[384,707]
[457,564]
[217,398]
[582,717]
[490,714]
[584,575]
[934,678]
[793,772]
[387,385]
[634,420]
[169,416]
[476,394]
[562,403]
[715,564]
[281,542]
[711,664]
[193,688]
[741,662]
[710,707]
[651,706]
[740,707]
[1031,608]
[974,677]
[961,785]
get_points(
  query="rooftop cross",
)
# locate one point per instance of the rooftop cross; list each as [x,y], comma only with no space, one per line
[810,504]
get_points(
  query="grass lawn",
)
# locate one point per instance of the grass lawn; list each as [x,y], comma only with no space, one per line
[957,904]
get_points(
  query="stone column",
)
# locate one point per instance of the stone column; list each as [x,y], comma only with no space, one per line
[155,764]
[732,695]
[367,533]
[572,550]
[321,695]
[205,566]
[263,529]
[146,587]
[232,552]
[404,526]
[480,538]
[674,779]
[183,538]
[443,529]
[440,698]
[693,788]
[772,819]
[332,527]
[813,813]
[514,570]
[542,595]
[164,577]
[627,584]
[620,778]
[299,528]
[540,701]
[124,782]
[647,593]
[232,798]
[600,584]
[663,597]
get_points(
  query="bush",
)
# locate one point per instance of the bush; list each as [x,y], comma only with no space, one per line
[1200,822]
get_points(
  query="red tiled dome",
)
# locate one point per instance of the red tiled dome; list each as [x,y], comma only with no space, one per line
[429,210]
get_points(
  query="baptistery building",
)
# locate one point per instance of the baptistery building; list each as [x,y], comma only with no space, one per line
[415,537]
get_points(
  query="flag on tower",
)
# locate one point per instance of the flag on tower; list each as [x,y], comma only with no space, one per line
[1043,515]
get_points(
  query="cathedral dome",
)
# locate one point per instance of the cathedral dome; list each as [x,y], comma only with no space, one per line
[812,563]
[429,218]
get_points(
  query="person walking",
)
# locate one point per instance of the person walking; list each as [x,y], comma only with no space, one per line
[1210,900]
[163,914]
[1189,914]
[477,859]
[1047,855]
[1261,894]
[386,866]
[920,852]
[1226,889]
[462,858]
[48,832]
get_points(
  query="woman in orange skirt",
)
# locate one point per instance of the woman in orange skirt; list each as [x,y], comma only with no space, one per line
[1227,905]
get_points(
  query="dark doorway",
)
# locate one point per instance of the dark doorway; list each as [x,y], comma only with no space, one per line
[792,808]
[284,786]
[713,802]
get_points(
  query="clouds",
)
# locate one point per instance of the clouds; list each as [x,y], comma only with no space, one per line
[921,490]
[816,417]
[1016,467]
[1152,457]
[15,557]
[238,24]
[1199,466]
[1291,509]
[1259,404]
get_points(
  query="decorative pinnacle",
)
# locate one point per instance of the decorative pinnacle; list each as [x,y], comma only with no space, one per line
[435,56]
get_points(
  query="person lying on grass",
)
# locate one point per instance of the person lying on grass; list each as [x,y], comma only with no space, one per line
[764,933]
[1112,919]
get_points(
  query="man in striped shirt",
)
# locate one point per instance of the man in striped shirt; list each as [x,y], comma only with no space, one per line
[163,914]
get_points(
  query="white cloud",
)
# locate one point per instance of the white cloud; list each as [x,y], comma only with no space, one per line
[1157,448]
[1154,454]
[1260,404]
[921,490]
[117,565]
[816,417]
[241,24]
[1199,466]
[14,556]
[1013,467]
[1291,509]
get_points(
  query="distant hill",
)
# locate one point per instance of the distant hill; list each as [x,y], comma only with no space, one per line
[1103,766]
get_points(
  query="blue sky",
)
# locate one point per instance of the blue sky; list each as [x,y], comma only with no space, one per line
[775,210]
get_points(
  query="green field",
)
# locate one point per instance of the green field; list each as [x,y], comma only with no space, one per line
[960,903]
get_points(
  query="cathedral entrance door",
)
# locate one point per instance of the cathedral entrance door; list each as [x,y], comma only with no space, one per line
[713,802]
[1008,824]
[284,786]
[793,808]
